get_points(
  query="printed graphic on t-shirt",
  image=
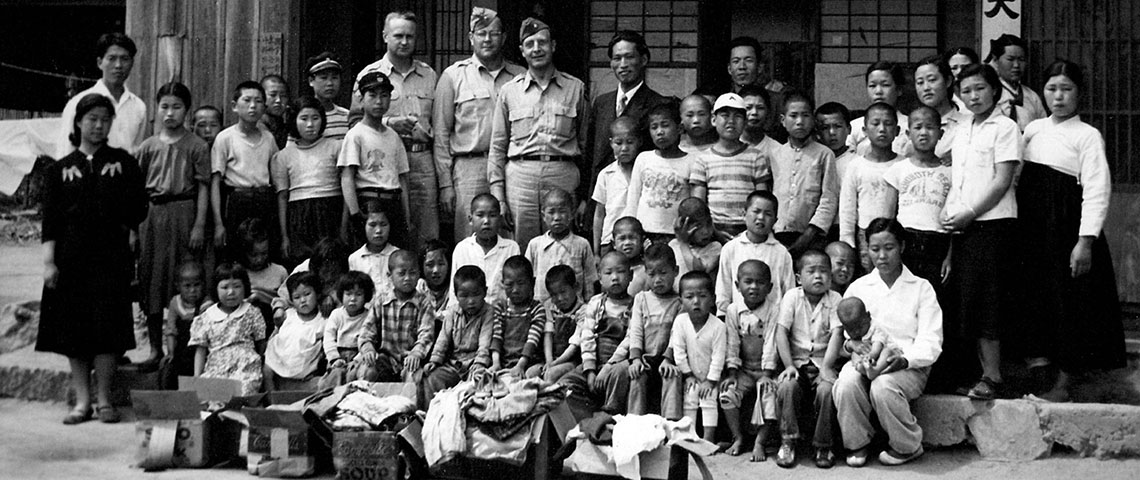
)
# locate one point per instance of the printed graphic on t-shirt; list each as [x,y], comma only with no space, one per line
[663,187]
[924,187]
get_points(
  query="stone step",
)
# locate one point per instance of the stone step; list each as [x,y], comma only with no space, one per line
[1028,430]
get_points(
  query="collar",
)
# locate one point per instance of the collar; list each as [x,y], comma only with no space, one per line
[101,88]
[215,313]
[528,78]
[1009,88]
[548,239]
[388,250]
[905,277]
[740,308]
[549,305]
[390,297]
[385,66]
[629,95]
[771,240]
[499,242]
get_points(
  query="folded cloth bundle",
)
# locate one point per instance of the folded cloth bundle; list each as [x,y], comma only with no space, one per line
[370,410]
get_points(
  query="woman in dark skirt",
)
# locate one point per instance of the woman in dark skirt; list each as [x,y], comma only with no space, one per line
[94,200]
[309,199]
[1063,195]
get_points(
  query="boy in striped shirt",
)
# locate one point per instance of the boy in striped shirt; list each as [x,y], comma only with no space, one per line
[519,320]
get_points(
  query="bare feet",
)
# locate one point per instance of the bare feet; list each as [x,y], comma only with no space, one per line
[737,446]
[758,454]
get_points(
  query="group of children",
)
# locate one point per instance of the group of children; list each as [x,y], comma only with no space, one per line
[714,273]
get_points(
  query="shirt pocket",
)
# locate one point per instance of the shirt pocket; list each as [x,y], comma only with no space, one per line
[522,123]
[561,121]
[473,107]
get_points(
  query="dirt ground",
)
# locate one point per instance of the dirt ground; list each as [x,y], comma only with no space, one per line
[34,444]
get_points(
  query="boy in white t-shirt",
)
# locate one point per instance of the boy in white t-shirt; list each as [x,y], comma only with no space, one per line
[863,195]
[612,186]
[660,178]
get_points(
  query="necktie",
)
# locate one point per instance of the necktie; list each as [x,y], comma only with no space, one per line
[621,104]
[1017,100]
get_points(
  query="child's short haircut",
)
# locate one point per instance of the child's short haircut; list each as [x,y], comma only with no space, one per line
[433,244]
[115,39]
[659,252]
[561,274]
[295,108]
[191,267]
[695,209]
[925,110]
[273,77]
[892,112]
[670,110]
[329,251]
[521,264]
[248,85]
[486,197]
[353,279]
[755,91]
[621,258]
[631,223]
[252,231]
[797,96]
[470,273]
[765,270]
[558,195]
[628,122]
[696,276]
[372,206]
[834,108]
[813,253]
[308,279]
[229,271]
[894,69]
[173,89]
[406,256]
[211,109]
[763,195]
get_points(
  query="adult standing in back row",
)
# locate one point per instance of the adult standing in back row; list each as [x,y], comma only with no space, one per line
[410,116]
[115,57]
[464,102]
[537,136]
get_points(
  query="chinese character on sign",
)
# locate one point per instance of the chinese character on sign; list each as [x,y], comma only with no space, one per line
[1002,6]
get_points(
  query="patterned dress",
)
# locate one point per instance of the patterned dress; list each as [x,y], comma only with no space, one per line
[230,340]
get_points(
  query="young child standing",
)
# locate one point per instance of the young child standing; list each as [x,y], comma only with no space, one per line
[808,341]
[695,246]
[240,171]
[519,320]
[294,351]
[230,336]
[207,122]
[265,277]
[176,168]
[660,178]
[190,302]
[342,330]
[696,124]
[655,381]
[833,122]
[309,201]
[612,186]
[601,342]
[485,248]
[372,257]
[981,210]
[394,343]
[464,343]
[560,246]
[698,342]
[921,184]
[750,358]
[885,81]
[629,240]
[725,173]
[373,163]
[864,195]
[804,181]
[758,243]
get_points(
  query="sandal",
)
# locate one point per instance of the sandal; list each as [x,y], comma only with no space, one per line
[77,416]
[985,389]
[108,414]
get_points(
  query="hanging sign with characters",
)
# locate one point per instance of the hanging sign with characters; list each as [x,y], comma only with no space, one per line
[998,17]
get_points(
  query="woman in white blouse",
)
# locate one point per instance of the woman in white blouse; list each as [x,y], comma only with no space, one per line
[1071,310]
[905,307]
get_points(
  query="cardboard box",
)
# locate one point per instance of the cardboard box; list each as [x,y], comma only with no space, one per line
[278,443]
[661,463]
[172,431]
[374,455]
[545,436]
[211,389]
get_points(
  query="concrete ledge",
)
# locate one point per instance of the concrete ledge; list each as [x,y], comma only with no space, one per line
[1025,430]
[31,375]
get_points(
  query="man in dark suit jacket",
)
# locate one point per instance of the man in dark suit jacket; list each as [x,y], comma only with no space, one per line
[629,56]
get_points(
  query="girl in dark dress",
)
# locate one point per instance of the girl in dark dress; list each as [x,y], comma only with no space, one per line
[1063,197]
[94,201]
